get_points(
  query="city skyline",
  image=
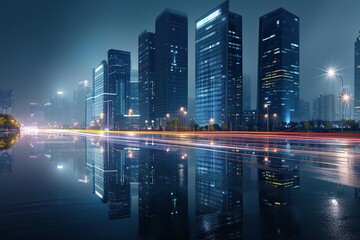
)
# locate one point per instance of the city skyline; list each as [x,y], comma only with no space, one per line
[311,67]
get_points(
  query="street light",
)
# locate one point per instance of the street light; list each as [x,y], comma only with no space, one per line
[167,120]
[275,116]
[130,112]
[183,112]
[212,120]
[267,116]
[343,97]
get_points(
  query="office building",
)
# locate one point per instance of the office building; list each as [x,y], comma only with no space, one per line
[171,63]
[324,107]
[357,79]
[98,104]
[278,66]
[146,77]
[79,98]
[304,111]
[218,60]
[134,92]
[118,101]
[247,86]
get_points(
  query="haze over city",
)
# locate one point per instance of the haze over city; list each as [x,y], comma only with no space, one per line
[50,46]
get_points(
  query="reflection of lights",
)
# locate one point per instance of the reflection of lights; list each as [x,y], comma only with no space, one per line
[266,159]
[167,149]
[98,194]
[102,150]
[211,143]
[334,202]
[59,167]
[85,180]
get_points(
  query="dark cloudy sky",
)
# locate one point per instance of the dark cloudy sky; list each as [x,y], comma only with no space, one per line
[46,46]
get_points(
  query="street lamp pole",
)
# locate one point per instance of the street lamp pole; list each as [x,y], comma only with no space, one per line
[267,116]
[343,97]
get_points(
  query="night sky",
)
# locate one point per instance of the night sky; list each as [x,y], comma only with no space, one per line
[48,46]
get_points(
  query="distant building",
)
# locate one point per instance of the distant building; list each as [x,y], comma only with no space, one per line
[6,101]
[278,69]
[247,92]
[304,111]
[249,118]
[324,107]
[79,98]
[98,104]
[119,87]
[146,66]
[58,111]
[36,114]
[134,92]
[357,79]
[171,63]
[218,63]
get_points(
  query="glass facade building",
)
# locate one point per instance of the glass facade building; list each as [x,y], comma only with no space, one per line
[218,62]
[171,63]
[96,103]
[278,66]
[118,102]
[357,79]
[146,46]
[324,107]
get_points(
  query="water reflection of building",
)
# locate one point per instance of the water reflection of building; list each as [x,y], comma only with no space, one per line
[278,178]
[219,199]
[6,152]
[111,182]
[6,161]
[163,196]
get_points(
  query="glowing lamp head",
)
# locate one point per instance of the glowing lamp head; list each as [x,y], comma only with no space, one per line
[346,97]
[331,72]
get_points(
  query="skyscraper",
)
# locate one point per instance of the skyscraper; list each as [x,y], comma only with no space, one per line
[278,66]
[357,79]
[324,107]
[171,63]
[304,114]
[99,100]
[218,60]
[134,91]
[146,77]
[119,87]
[79,98]
[246,98]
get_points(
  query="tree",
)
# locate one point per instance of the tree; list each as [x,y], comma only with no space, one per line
[224,127]
[307,125]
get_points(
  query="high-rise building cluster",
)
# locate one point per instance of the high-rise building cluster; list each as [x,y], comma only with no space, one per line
[163,73]
[120,100]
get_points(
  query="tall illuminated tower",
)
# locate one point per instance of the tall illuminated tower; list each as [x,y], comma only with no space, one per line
[218,62]
[118,103]
[357,79]
[146,77]
[279,66]
[171,63]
